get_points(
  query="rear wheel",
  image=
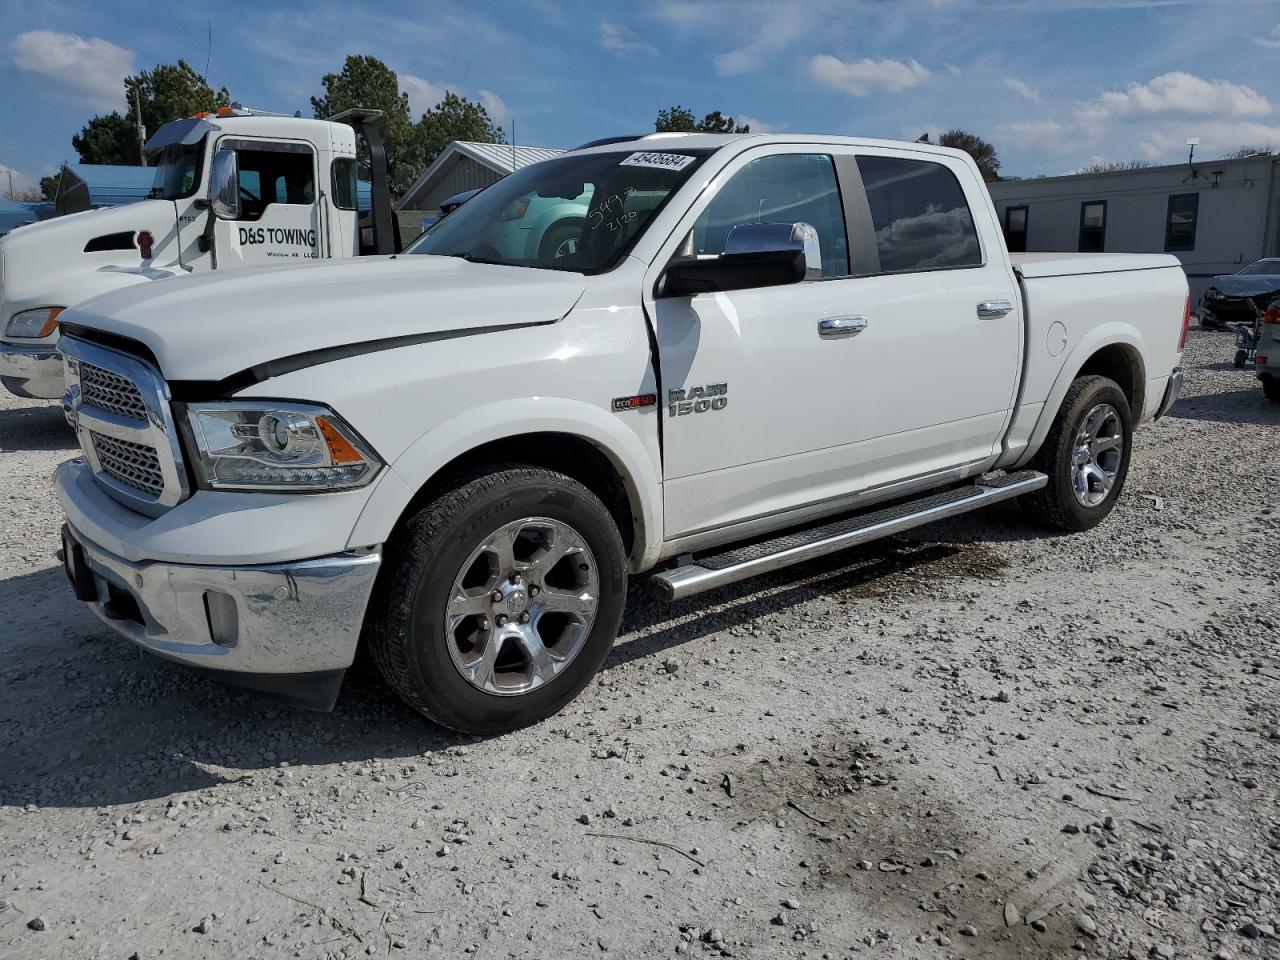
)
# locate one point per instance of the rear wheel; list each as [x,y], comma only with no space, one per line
[1085,455]
[499,600]
[1240,359]
[1271,388]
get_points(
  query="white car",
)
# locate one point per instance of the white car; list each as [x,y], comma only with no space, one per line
[761,349]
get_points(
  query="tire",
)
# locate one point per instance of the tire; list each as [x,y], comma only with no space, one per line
[1058,503]
[1271,388]
[557,236]
[1240,360]
[482,675]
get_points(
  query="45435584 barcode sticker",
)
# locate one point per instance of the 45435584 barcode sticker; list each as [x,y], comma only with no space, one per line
[662,161]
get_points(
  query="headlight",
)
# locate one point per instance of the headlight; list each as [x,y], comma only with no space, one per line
[276,446]
[32,324]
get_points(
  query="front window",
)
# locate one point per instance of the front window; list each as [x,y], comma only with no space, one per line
[580,213]
[1262,268]
[177,171]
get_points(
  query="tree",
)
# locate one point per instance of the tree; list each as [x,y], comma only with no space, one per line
[169,92]
[453,118]
[1240,153]
[49,185]
[368,82]
[110,138]
[983,153]
[680,119]
[1114,166]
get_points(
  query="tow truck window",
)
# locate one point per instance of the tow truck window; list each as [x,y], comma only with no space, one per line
[177,171]
[344,183]
[270,176]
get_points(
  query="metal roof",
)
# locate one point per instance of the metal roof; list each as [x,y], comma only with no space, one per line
[501,158]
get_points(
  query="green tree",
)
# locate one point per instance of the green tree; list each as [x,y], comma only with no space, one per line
[680,119]
[169,92]
[49,185]
[109,138]
[368,82]
[983,153]
[453,118]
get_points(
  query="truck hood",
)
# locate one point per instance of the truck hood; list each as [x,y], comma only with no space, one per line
[256,324]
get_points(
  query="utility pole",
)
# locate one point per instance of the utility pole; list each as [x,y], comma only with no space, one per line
[10,184]
[142,133]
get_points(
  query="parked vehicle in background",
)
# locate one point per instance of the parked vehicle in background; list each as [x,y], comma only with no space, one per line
[239,188]
[756,351]
[450,204]
[1267,355]
[1227,301]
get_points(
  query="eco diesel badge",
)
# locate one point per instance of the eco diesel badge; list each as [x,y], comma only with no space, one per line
[685,400]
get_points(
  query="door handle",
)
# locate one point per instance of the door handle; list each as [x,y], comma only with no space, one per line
[994,309]
[834,327]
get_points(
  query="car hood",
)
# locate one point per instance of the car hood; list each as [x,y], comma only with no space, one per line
[1233,285]
[215,326]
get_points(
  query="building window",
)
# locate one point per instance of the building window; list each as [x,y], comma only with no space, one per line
[1180,227]
[1015,229]
[1093,226]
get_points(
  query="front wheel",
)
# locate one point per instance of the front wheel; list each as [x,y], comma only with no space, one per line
[1085,454]
[499,599]
[1241,359]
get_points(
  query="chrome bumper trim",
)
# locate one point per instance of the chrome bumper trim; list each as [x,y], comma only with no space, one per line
[1170,392]
[298,617]
[34,372]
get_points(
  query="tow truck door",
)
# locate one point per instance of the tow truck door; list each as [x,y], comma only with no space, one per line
[279,219]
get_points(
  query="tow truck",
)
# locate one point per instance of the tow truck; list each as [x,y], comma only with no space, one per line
[233,188]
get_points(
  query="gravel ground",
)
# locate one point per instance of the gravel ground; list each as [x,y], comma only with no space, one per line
[979,740]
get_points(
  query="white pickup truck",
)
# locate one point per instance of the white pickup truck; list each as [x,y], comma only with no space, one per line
[235,188]
[760,350]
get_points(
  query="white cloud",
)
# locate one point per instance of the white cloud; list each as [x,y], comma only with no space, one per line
[20,182]
[496,107]
[615,37]
[862,77]
[757,125]
[1169,144]
[90,71]
[423,94]
[1022,89]
[1272,40]
[1178,93]
[953,70]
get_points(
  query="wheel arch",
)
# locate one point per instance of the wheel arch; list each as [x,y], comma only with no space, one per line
[611,461]
[1112,350]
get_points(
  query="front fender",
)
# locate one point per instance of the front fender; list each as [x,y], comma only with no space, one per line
[507,419]
[1105,335]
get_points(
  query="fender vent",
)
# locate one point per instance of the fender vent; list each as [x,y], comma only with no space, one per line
[110,241]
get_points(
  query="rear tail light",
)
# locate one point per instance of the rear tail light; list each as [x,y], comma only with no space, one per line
[1273,314]
[1186,324]
[1260,360]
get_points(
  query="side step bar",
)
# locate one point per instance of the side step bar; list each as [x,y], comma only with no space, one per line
[711,571]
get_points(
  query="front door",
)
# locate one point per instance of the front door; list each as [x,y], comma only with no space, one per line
[279,219]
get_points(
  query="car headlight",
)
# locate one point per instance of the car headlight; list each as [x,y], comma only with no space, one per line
[276,446]
[33,324]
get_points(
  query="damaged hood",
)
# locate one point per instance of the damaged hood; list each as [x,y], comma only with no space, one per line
[215,326]
[1257,285]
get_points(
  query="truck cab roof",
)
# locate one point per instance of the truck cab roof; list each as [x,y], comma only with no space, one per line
[716,141]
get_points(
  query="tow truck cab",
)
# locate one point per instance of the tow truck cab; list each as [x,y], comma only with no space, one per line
[239,188]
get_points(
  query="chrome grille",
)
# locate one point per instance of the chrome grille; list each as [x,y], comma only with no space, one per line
[111,392]
[134,464]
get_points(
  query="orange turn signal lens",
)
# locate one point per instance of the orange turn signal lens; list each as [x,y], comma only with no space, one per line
[50,323]
[341,449]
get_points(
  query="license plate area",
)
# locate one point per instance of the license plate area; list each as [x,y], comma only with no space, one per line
[77,570]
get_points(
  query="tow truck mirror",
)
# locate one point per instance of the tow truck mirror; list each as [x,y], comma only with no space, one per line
[755,255]
[224,185]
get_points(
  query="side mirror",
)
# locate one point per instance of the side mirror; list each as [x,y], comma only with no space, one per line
[224,185]
[755,255]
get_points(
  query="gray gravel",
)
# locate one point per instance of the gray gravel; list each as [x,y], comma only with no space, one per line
[980,740]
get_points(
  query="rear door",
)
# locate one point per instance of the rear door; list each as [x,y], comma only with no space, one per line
[279,218]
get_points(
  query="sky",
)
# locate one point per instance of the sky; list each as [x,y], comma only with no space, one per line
[1053,85]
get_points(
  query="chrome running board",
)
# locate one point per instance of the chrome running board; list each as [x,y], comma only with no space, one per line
[715,570]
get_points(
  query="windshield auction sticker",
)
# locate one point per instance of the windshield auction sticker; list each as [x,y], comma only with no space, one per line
[661,161]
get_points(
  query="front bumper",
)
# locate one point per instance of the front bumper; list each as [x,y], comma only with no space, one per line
[1171,392]
[34,372]
[285,628]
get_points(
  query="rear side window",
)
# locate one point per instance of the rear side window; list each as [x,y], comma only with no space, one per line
[782,188]
[344,183]
[919,214]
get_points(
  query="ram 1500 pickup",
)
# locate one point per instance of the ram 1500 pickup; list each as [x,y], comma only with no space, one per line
[758,350]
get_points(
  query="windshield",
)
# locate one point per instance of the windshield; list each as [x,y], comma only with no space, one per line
[580,213]
[177,170]
[1261,268]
